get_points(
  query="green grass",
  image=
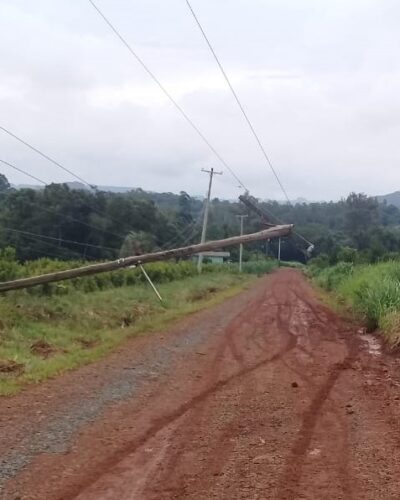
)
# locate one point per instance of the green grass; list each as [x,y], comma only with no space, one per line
[258,267]
[80,327]
[292,264]
[371,291]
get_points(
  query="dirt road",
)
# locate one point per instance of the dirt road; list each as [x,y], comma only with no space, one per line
[267,396]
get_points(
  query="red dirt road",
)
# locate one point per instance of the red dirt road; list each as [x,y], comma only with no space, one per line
[277,399]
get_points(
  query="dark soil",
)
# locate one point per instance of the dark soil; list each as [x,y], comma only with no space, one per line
[43,349]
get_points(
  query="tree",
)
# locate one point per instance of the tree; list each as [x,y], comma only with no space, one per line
[361,212]
[185,208]
[347,254]
[136,243]
[4,184]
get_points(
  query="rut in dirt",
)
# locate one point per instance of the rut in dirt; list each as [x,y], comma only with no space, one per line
[279,400]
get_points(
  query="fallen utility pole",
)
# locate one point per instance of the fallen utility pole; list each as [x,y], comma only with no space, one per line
[103,267]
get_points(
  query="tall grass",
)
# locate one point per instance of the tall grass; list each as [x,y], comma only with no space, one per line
[372,291]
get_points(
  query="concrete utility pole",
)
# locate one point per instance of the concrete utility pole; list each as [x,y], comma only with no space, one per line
[279,250]
[267,248]
[241,217]
[205,220]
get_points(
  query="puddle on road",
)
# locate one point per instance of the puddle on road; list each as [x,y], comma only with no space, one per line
[373,344]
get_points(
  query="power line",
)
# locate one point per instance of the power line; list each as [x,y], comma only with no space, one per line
[188,233]
[57,164]
[48,158]
[190,230]
[54,238]
[165,91]
[241,107]
[238,102]
[53,254]
[278,219]
[55,212]
[23,172]
[68,217]
[169,96]
[196,232]
[53,245]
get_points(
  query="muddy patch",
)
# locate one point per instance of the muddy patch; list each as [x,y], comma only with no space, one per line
[10,367]
[87,343]
[43,349]
[372,343]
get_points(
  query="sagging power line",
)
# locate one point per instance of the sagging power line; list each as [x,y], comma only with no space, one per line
[66,251]
[239,103]
[59,165]
[181,110]
[33,177]
[48,158]
[186,235]
[244,113]
[172,100]
[64,216]
[166,92]
[55,238]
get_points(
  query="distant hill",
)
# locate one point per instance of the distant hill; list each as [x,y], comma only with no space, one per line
[164,201]
[79,185]
[391,199]
[161,199]
[293,201]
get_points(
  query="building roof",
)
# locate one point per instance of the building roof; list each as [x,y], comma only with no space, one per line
[215,254]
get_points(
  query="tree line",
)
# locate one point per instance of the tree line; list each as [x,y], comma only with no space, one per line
[61,222]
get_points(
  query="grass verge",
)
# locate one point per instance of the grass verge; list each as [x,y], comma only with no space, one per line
[371,291]
[42,337]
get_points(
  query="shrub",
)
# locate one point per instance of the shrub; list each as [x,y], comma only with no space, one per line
[331,277]
[319,262]
[347,254]
[9,268]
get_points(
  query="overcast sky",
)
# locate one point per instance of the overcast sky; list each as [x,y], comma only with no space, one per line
[319,79]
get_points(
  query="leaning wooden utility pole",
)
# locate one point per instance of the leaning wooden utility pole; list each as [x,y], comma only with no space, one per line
[241,217]
[205,220]
[114,265]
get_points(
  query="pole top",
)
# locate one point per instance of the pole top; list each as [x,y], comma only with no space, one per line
[212,171]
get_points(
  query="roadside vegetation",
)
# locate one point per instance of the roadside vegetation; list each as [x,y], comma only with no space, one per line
[47,330]
[360,263]
[371,291]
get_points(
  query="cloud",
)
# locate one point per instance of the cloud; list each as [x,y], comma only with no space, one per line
[319,80]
